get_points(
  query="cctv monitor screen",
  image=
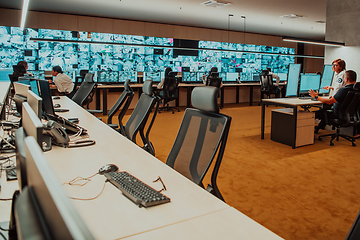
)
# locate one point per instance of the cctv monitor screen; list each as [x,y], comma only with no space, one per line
[326,79]
[125,75]
[108,77]
[231,77]
[293,80]
[190,77]
[282,76]
[154,76]
[309,81]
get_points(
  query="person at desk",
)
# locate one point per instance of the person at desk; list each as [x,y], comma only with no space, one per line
[25,65]
[339,67]
[206,78]
[336,100]
[161,83]
[63,82]
[275,88]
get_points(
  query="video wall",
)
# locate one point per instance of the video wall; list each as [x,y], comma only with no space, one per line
[15,45]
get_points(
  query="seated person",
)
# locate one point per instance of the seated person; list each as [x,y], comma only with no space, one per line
[206,78]
[161,83]
[63,82]
[26,73]
[336,100]
[275,88]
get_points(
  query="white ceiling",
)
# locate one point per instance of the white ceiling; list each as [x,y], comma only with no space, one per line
[262,16]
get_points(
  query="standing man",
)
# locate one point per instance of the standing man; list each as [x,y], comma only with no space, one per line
[63,82]
[336,100]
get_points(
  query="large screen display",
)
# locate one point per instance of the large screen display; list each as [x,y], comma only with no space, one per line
[15,46]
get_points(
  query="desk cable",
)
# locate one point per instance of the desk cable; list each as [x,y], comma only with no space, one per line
[87,180]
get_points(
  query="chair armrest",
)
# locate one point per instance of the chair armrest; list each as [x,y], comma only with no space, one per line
[93,111]
[113,125]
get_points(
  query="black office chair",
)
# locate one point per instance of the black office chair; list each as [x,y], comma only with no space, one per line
[202,135]
[354,232]
[214,81]
[137,121]
[266,84]
[82,76]
[348,116]
[169,92]
[125,98]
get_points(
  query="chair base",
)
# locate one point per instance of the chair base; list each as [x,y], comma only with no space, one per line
[337,135]
[168,108]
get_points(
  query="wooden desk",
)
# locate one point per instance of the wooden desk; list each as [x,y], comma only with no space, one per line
[293,103]
[112,215]
[189,87]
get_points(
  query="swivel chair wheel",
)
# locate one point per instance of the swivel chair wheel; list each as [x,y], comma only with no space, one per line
[331,144]
[354,144]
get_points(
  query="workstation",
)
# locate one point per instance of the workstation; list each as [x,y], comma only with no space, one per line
[232,94]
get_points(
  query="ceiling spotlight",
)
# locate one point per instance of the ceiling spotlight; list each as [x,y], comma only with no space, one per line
[215,3]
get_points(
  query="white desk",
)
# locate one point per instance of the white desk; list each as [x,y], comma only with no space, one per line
[293,103]
[112,215]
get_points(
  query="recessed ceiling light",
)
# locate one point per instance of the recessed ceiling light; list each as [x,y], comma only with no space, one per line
[292,16]
[321,21]
[215,3]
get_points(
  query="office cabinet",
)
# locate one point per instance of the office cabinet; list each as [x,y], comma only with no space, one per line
[283,123]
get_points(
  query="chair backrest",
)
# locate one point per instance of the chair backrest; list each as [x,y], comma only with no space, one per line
[202,135]
[141,112]
[266,81]
[354,232]
[84,90]
[83,73]
[125,97]
[214,81]
[170,88]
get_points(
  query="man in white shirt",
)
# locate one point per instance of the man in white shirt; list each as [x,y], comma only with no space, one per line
[63,82]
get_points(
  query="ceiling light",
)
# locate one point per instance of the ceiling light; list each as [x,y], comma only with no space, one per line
[316,42]
[292,16]
[215,3]
[321,21]
[24,13]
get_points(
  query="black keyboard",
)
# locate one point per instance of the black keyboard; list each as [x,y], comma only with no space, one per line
[307,98]
[136,190]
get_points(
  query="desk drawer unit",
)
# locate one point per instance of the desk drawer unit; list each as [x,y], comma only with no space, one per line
[282,124]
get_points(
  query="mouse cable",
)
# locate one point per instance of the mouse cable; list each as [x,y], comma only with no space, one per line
[4,229]
[2,235]
[87,179]
[86,199]
[7,142]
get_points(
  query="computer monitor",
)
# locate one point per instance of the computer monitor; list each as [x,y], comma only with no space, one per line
[53,206]
[125,75]
[108,77]
[282,76]
[4,91]
[34,87]
[232,77]
[154,76]
[326,79]
[4,74]
[293,80]
[20,135]
[309,81]
[33,127]
[45,94]
[35,103]
[20,95]
[190,77]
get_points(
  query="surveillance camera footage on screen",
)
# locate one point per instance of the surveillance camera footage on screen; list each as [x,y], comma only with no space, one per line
[114,62]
